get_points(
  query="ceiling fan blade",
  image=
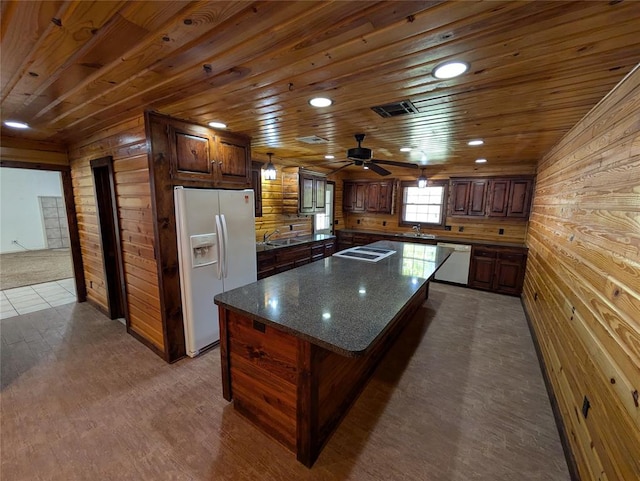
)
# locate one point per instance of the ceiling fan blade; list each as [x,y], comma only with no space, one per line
[340,168]
[397,164]
[377,169]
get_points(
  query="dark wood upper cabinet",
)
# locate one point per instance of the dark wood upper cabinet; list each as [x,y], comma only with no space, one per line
[498,197]
[233,161]
[364,196]
[201,157]
[256,185]
[460,197]
[491,197]
[520,193]
[191,148]
[477,197]
[303,191]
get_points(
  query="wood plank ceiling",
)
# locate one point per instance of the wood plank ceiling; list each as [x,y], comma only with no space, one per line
[71,68]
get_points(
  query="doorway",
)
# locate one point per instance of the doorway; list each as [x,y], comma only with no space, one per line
[109,232]
[323,223]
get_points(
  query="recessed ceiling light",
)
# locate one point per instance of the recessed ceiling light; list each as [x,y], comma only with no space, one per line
[320,102]
[329,157]
[450,69]
[405,149]
[366,168]
[480,161]
[475,142]
[16,125]
[217,125]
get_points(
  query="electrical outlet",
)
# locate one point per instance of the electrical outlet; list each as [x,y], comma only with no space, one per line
[501,232]
[460,229]
[14,241]
[384,223]
[358,221]
[447,227]
[290,226]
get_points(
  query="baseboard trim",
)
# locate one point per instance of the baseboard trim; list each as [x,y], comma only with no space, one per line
[147,343]
[562,430]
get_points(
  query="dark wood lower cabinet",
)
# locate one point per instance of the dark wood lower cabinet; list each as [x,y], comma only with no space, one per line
[280,260]
[498,269]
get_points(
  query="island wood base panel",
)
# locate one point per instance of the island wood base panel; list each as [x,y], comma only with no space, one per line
[295,391]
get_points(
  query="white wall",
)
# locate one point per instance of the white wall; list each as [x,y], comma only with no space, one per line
[20,215]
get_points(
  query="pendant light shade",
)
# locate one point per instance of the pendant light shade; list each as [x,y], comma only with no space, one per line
[270,170]
[422,180]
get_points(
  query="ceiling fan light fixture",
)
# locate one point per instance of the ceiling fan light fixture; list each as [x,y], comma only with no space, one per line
[14,124]
[320,102]
[481,161]
[405,149]
[475,142]
[449,70]
[329,157]
[218,125]
[422,180]
[270,172]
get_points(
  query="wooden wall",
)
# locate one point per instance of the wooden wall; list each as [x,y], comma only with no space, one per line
[272,213]
[582,286]
[126,143]
[19,150]
[462,228]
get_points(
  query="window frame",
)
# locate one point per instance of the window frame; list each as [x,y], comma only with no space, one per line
[445,200]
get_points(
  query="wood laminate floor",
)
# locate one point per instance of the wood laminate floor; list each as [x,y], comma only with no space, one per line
[459,397]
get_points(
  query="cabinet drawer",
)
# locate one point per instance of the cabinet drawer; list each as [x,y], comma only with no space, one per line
[484,252]
[511,256]
[293,254]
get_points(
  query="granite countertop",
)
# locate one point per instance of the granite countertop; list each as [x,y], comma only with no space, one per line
[301,240]
[343,305]
[439,238]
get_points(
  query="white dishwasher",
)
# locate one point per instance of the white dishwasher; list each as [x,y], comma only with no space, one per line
[456,268]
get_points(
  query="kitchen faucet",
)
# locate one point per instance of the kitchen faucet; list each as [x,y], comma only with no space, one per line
[417,229]
[266,236]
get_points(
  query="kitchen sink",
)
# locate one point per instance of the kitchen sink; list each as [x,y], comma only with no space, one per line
[284,242]
[420,236]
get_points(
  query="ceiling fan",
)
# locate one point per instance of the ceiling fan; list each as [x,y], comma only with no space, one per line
[361,156]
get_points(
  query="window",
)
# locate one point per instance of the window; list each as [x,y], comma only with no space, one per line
[423,206]
[323,223]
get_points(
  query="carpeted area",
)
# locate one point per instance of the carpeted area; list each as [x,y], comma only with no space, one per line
[19,269]
[459,397]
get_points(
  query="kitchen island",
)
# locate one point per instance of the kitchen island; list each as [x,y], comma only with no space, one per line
[298,347]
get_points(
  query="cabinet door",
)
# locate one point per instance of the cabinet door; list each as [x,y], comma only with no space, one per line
[483,264]
[306,199]
[477,197]
[190,153]
[498,198]
[256,185]
[233,162]
[386,197]
[460,197]
[359,197]
[320,188]
[519,198]
[373,197]
[509,275]
[348,196]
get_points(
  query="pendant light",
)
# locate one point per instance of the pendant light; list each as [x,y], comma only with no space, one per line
[270,170]
[422,180]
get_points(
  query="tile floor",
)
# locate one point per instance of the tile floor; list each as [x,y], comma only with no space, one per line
[22,300]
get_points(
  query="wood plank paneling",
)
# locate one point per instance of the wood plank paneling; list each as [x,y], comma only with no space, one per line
[126,142]
[273,216]
[582,287]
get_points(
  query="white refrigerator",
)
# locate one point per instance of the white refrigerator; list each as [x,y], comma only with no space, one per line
[217,252]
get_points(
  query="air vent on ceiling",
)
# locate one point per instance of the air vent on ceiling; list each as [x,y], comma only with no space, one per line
[393,110]
[312,139]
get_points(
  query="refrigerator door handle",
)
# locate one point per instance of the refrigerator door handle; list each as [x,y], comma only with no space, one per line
[219,247]
[226,243]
